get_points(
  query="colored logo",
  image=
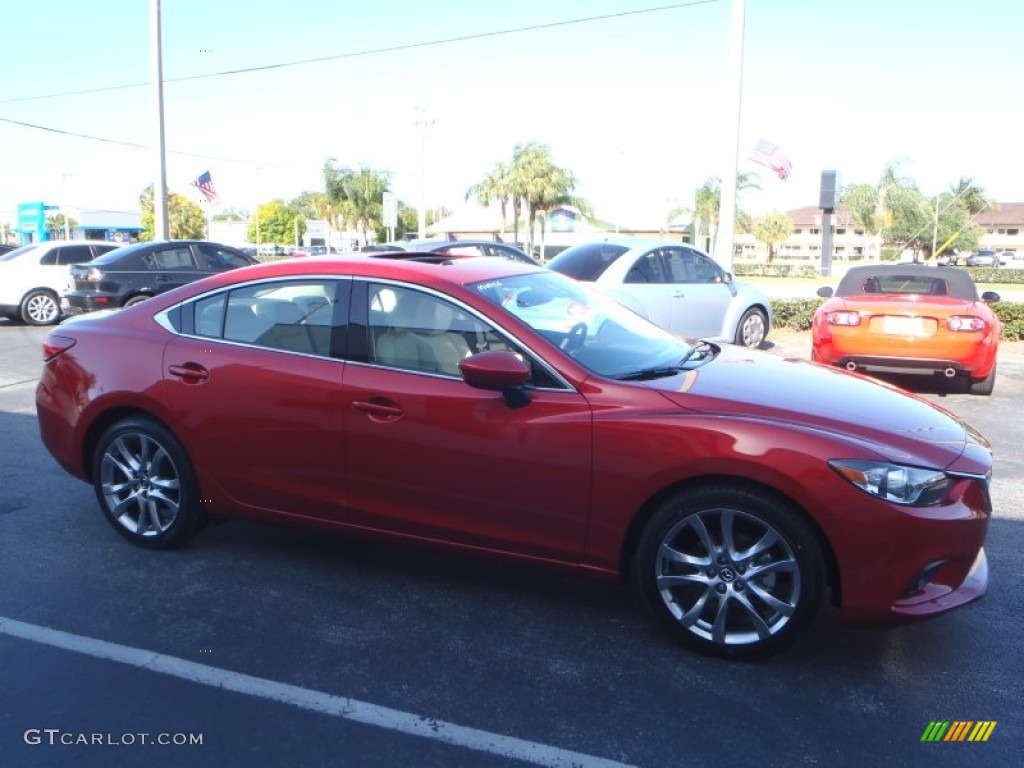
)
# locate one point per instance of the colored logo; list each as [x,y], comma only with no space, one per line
[958,730]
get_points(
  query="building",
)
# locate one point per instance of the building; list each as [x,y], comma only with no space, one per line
[1003,225]
[92,224]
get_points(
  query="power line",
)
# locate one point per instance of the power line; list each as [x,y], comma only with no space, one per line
[372,51]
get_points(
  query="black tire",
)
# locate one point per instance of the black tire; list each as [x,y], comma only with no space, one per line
[983,386]
[136,300]
[765,588]
[752,329]
[145,484]
[40,308]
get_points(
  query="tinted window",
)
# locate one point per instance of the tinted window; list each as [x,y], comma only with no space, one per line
[586,262]
[73,254]
[219,257]
[179,257]
[296,316]
[649,268]
[49,258]
[688,266]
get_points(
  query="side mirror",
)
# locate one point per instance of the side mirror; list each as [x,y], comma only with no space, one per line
[727,278]
[825,292]
[989,297]
[499,371]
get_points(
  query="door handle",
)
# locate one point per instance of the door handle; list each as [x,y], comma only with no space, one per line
[377,410]
[163,278]
[190,373]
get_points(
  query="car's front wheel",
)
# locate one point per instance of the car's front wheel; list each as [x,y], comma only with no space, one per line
[145,484]
[752,329]
[40,308]
[730,571]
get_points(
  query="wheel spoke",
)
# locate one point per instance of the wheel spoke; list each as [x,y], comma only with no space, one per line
[121,508]
[718,628]
[697,524]
[757,570]
[728,520]
[131,462]
[760,626]
[153,513]
[690,617]
[679,579]
[766,542]
[777,605]
[675,556]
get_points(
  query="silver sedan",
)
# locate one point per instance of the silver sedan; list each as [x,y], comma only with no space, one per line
[672,284]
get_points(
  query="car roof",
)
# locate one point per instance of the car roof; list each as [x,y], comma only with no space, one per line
[958,282]
[633,243]
[430,273]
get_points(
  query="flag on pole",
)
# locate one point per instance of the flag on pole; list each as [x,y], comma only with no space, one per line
[769,155]
[205,185]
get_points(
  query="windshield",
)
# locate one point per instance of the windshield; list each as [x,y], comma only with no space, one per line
[18,252]
[599,333]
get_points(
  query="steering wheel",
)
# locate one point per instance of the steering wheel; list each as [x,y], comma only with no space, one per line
[575,338]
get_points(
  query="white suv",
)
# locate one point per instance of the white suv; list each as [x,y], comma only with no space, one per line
[32,277]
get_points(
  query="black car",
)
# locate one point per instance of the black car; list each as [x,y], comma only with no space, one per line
[454,248]
[137,272]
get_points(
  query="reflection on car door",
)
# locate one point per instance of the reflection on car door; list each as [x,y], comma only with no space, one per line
[170,267]
[431,456]
[262,420]
[700,295]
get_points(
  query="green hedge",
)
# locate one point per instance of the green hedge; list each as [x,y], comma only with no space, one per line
[777,270]
[996,275]
[798,313]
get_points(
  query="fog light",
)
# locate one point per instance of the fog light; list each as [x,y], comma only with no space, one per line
[922,578]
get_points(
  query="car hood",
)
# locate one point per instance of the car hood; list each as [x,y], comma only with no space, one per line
[898,426]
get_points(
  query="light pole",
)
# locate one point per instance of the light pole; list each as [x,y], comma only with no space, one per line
[424,123]
[727,206]
[160,224]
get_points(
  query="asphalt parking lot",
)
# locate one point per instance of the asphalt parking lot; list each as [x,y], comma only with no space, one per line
[285,647]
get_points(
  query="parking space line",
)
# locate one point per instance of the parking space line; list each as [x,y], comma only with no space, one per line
[305,698]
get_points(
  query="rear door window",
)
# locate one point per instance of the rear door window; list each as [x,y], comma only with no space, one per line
[74,254]
[175,258]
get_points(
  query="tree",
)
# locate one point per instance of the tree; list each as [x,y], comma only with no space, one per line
[231,214]
[357,195]
[771,229]
[531,183]
[185,219]
[707,202]
[56,223]
[971,195]
[276,222]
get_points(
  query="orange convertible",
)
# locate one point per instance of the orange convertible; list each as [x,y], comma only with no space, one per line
[909,318]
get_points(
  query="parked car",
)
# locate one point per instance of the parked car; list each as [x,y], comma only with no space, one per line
[6,248]
[454,248]
[908,317]
[674,285]
[33,276]
[139,272]
[418,401]
[983,258]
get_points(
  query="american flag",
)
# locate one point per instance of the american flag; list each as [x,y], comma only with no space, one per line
[768,154]
[205,185]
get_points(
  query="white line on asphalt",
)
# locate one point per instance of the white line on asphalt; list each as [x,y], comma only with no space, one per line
[337,706]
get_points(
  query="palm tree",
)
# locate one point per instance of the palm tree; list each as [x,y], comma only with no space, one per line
[356,195]
[540,184]
[971,195]
[708,202]
[494,188]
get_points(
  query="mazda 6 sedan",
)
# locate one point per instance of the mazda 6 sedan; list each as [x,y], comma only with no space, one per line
[909,318]
[435,402]
[672,284]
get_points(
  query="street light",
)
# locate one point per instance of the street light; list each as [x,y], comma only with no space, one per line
[423,122]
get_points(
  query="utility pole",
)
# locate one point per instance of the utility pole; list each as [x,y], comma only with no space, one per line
[423,123]
[160,224]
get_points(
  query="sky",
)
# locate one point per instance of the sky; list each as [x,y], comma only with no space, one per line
[635,105]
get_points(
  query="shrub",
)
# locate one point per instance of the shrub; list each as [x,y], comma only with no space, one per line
[776,270]
[1011,315]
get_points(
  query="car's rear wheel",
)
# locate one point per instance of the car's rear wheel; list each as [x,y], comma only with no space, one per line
[983,386]
[145,484]
[135,300]
[730,571]
[752,329]
[40,308]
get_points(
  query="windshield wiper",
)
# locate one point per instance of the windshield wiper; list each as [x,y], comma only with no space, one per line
[698,351]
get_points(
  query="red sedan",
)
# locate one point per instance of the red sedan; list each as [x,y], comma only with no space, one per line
[439,403]
[909,318]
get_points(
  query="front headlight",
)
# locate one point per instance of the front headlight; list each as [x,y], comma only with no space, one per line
[895,482]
